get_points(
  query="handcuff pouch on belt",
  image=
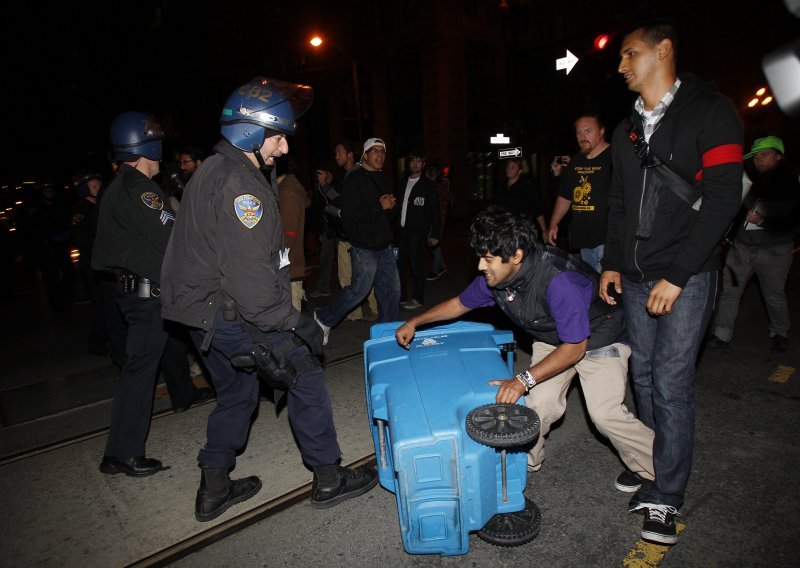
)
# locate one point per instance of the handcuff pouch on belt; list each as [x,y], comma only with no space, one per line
[271,363]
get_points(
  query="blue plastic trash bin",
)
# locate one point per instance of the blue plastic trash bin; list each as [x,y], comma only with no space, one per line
[446,484]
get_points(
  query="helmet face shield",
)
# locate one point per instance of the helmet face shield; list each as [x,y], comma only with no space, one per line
[260,105]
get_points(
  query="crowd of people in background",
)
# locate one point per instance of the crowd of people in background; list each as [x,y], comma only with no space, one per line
[56,231]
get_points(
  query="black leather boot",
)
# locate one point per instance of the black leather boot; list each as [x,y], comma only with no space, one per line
[217,492]
[334,483]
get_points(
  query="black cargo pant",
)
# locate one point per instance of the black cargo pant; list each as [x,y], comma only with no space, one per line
[308,403]
[133,397]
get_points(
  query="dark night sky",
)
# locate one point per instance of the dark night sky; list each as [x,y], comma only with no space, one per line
[69,69]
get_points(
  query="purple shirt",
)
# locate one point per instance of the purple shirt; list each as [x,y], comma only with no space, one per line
[569,296]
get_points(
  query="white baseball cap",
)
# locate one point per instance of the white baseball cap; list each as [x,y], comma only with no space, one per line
[374,142]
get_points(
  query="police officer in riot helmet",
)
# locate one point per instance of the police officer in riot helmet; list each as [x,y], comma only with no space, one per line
[226,276]
[133,229]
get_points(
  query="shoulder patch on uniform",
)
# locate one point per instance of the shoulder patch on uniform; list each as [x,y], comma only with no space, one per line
[249,210]
[152,200]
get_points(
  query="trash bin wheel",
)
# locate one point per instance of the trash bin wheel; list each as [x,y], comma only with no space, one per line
[513,529]
[503,425]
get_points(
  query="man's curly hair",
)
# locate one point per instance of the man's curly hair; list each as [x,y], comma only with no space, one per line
[500,232]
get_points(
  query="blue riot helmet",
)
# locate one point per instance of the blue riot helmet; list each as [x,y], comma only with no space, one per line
[136,135]
[263,108]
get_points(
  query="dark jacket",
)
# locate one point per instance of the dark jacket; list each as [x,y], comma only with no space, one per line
[332,210]
[84,226]
[422,212]
[134,226]
[522,197]
[366,224]
[699,129]
[228,238]
[529,308]
[776,195]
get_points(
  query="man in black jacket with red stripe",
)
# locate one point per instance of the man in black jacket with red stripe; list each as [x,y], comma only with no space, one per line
[662,250]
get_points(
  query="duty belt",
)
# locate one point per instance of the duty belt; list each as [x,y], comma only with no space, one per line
[131,283]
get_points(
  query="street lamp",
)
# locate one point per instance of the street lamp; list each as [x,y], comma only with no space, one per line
[318,41]
[757,100]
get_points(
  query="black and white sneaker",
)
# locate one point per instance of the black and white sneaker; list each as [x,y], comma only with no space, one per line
[659,523]
[628,482]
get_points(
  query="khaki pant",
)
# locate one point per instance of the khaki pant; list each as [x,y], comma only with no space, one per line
[298,295]
[603,381]
[345,273]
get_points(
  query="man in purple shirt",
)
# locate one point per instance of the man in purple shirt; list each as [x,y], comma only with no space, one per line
[553,296]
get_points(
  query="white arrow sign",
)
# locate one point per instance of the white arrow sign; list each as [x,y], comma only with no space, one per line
[567,62]
[509,153]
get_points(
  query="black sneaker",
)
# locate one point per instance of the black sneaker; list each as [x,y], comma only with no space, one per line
[659,523]
[779,343]
[716,343]
[435,275]
[628,482]
[334,484]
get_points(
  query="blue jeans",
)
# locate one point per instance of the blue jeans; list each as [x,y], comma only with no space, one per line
[593,256]
[371,268]
[664,352]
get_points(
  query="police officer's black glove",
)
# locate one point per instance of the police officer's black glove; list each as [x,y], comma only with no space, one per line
[311,333]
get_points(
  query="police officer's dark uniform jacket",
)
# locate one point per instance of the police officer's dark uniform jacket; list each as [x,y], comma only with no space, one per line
[134,226]
[523,299]
[229,220]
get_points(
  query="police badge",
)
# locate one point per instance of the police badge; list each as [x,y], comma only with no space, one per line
[152,200]
[248,210]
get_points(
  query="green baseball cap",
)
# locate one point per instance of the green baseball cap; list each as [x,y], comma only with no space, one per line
[764,144]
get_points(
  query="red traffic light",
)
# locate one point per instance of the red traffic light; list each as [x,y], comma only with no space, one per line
[601,41]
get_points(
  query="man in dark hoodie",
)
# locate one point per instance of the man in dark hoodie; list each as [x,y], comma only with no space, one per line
[676,185]
[368,212]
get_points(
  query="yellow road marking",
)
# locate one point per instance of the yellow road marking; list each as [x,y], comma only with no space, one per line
[781,374]
[647,554]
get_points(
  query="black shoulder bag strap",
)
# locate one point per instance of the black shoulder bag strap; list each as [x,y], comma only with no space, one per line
[658,177]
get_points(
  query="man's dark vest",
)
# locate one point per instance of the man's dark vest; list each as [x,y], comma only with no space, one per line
[524,301]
